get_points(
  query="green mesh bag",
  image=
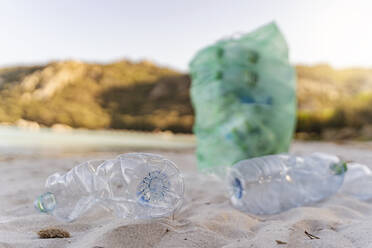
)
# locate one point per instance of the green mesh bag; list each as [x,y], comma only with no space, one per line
[243,93]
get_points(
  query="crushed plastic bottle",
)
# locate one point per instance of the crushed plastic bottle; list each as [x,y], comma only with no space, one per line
[133,186]
[275,183]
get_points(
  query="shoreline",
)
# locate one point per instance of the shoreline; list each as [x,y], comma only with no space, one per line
[83,140]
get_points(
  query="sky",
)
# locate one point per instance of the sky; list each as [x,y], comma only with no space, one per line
[170,32]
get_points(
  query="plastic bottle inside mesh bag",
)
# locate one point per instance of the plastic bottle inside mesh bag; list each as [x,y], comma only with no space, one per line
[243,93]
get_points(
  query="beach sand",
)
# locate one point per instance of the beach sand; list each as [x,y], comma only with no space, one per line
[206,219]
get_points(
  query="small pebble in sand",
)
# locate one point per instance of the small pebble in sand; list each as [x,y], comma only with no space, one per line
[52,233]
[279,242]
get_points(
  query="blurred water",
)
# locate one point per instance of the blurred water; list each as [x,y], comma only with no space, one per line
[15,140]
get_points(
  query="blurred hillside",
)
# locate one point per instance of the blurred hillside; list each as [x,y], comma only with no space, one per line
[334,104]
[143,96]
[122,95]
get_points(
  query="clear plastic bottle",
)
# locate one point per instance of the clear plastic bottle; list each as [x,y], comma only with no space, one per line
[274,183]
[133,185]
[358,182]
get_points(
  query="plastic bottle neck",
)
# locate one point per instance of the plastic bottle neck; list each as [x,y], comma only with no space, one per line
[339,168]
[45,203]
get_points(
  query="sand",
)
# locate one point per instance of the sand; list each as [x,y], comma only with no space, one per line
[206,219]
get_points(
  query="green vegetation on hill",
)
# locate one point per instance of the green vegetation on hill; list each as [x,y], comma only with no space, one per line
[143,96]
[121,95]
[334,103]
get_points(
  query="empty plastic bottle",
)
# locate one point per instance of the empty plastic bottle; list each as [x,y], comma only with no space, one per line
[358,182]
[133,186]
[271,184]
